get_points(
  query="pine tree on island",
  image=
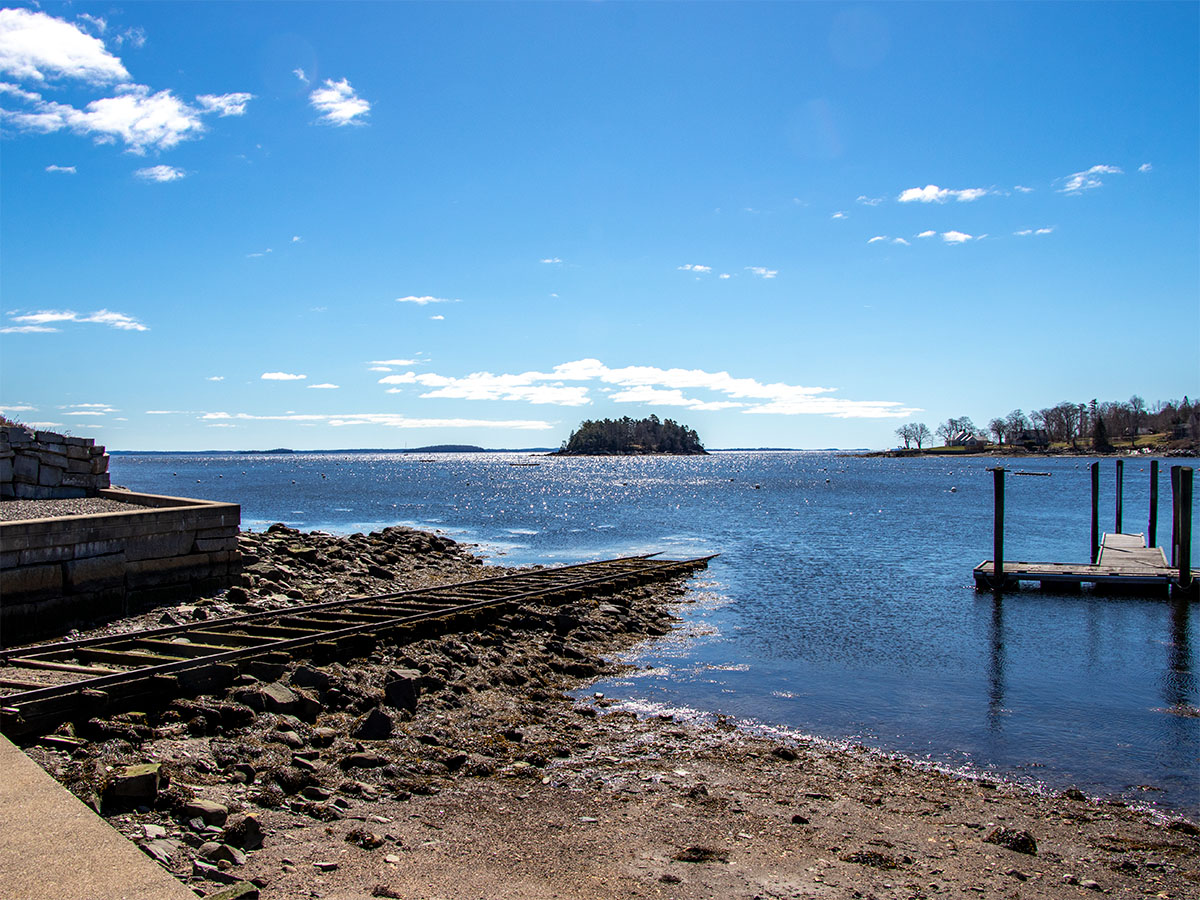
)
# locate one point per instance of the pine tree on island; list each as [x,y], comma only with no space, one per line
[627,437]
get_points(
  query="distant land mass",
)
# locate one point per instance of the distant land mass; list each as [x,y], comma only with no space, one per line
[627,437]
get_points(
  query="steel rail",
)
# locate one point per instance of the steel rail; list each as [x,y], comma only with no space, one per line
[27,650]
[13,706]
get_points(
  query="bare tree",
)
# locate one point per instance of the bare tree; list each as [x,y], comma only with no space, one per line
[904,432]
[920,433]
[996,427]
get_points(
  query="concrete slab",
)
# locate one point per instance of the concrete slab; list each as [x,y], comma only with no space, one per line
[54,847]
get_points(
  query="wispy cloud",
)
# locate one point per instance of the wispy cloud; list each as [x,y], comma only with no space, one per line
[550,260]
[956,237]
[66,170]
[839,215]
[927,234]
[437,318]
[869,201]
[1021,189]
[901,241]
[393,362]
[38,47]
[301,74]
[215,378]
[1089,179]
[326,386]
[225,104]
[338,103]
[877,239]
[423,301]
[389,420]
[694,267]
[45,320]
[567,385]
[931,193]
[762,271]
[256,254]
[296,239]
[1025,232]
[281,376]
[160,173]
[1145,167]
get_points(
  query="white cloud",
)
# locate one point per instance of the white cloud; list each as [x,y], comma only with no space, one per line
[393,362]
[762,272]
[215,378]
[135,37]
[694,267]
[27,329]
[135,116]
[301,74]
[281,376]
[437,318]
[17,408]
[323,387]
[839,215]
[1145,167]
[259,253]
[160,173]
[645,384]
[869,201]
[37,321]
[956,237]
[927,234]
[877,238]
[338,104]
[100,407]
[225,104]
[1044,230]
[422,301]
[66,170]
[550,260]
[931,193]
[1078,182]
[1025,232]
[296,239]
[724,276]
[38,47]
[900,241]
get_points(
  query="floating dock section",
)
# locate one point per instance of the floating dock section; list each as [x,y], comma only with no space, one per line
[1120,561]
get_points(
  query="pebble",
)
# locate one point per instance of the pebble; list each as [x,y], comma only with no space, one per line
[20,510]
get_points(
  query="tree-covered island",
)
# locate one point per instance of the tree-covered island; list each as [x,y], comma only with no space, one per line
[627,437]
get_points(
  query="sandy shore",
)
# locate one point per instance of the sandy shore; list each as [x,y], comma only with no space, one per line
[458,767]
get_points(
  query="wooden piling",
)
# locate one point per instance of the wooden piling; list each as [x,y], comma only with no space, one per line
[1185,527]
[1120,492]
[1152,525]
[998,527]
[1174,516]
[1095,512]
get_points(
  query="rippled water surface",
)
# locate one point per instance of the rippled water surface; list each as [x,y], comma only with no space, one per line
[842,604]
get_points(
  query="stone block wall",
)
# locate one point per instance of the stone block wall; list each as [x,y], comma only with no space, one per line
[42,465]
[67,571]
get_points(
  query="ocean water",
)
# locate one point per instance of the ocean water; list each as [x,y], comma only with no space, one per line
[841,605]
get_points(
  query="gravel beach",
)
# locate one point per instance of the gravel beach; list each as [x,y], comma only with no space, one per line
[459,766]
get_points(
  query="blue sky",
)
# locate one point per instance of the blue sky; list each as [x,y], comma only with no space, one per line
[231,226]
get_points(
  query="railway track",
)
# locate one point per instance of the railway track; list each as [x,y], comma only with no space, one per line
[44,685]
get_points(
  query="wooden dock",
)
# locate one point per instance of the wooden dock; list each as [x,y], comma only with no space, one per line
[1120,560]
[1125,561]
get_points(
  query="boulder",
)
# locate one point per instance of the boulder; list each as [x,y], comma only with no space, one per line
[374,726]
[402,688]
[210,811]
[137,785]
